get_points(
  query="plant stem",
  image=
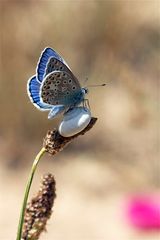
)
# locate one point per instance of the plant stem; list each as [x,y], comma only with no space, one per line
[27,190]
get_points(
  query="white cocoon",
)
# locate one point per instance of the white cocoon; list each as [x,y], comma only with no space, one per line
[74,121]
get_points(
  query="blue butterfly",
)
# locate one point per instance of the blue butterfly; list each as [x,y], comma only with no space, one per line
[54,88]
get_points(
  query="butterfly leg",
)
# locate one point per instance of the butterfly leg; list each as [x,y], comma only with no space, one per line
[86,103]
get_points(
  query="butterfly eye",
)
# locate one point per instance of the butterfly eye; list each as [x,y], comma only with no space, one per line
[58,76]
[58,82]
[61,68]
[73,87]
[70,81]
[67,92]
[64,82]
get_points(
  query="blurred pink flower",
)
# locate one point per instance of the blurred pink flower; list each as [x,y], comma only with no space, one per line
[143,212]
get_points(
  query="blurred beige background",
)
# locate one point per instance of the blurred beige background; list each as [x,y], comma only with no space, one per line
[117,42]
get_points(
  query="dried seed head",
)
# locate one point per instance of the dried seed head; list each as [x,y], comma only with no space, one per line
[54,142]
[39,209]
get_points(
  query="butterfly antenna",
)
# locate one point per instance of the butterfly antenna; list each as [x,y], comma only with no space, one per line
[85,80]
[98,85]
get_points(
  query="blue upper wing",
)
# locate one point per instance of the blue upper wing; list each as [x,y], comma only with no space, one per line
[33,90]
[46,55]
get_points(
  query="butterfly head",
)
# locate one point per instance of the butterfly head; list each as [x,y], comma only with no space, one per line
[80,96]
[85,90]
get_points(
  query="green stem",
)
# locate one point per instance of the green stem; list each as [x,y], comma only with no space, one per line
[28,186]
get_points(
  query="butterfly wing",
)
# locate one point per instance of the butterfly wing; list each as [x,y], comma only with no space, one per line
[61,88]
[55,111]
[56,65]
[50,61]
[33,90]
[55,87]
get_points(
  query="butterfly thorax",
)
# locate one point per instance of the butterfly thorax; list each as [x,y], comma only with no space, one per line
[79,97]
